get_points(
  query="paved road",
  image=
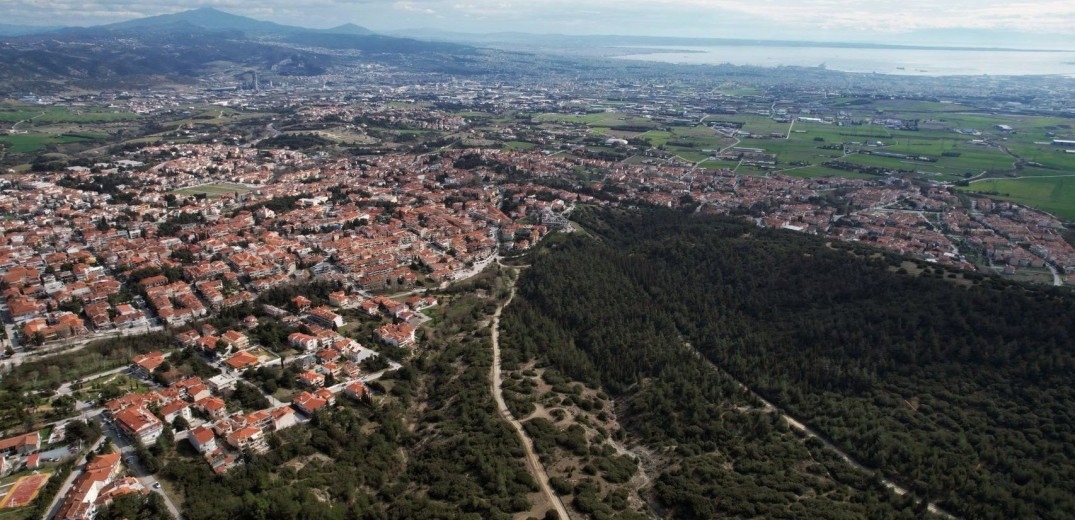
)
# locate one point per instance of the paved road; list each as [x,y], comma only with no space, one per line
[65,389]
[478,267]
[136,469]
[392,365]
[496,380]
[74,344]
[57,500]
[1057,281]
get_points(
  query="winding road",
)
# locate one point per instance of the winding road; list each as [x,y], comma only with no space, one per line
[537,470]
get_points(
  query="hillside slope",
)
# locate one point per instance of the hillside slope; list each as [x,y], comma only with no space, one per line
[953,385]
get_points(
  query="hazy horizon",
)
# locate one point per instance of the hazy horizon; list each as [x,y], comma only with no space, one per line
[983,23]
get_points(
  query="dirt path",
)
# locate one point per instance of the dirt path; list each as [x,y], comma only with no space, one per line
[496,380]
[810,432]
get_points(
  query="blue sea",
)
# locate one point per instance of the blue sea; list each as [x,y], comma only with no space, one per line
[903,61]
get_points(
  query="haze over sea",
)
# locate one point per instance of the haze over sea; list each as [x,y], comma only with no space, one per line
[903,61]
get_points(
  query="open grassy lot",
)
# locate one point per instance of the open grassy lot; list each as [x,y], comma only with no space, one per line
[912,106]
[22,513]
[519,146]
[716,165]
[26,143]
[601,119]
[689,154]
[821,171]
[112,386]
[1055,195]
[1041,172]
[213,115]
[50,115]
[755,124]
[214,190]
[1052,157]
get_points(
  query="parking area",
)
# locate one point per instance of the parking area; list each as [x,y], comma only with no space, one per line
[55,454]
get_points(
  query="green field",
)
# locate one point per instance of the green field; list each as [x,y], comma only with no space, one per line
[1030,171]
[600,119]
[1047,155]
[688,154]
[51,115]
[911,107]
[755,124]
[519,146]
[26,143]
[821,171]
[953,156]
[1055,195]
[716,164]
[214,190]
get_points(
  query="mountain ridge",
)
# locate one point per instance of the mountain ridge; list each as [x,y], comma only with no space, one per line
[207,18]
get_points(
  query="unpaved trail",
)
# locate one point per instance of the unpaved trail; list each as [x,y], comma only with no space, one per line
[537,470]
[797,425]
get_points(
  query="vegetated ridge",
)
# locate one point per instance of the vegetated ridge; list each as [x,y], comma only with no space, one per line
[952,384]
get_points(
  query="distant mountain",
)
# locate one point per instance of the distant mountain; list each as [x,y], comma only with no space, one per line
[182,47]
[215,19]
[21,30]
[177,53]
[207,18]
[348,28]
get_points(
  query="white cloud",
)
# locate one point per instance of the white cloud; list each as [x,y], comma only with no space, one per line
[903,15]
[414,8]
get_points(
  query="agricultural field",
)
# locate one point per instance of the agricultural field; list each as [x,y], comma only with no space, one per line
[1050,157]
[27,143]
[11,113]
[909,106]
[956,156]
[30,129]
[601,119]
[753,123]
[213,115]
[809,172]
[1055,195]
[214,190]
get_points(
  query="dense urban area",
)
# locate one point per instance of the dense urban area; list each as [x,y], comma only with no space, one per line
[285,291]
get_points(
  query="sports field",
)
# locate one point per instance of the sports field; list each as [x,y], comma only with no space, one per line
[24,490]
[214,190]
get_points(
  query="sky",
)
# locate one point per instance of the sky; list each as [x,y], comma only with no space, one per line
[821,20]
